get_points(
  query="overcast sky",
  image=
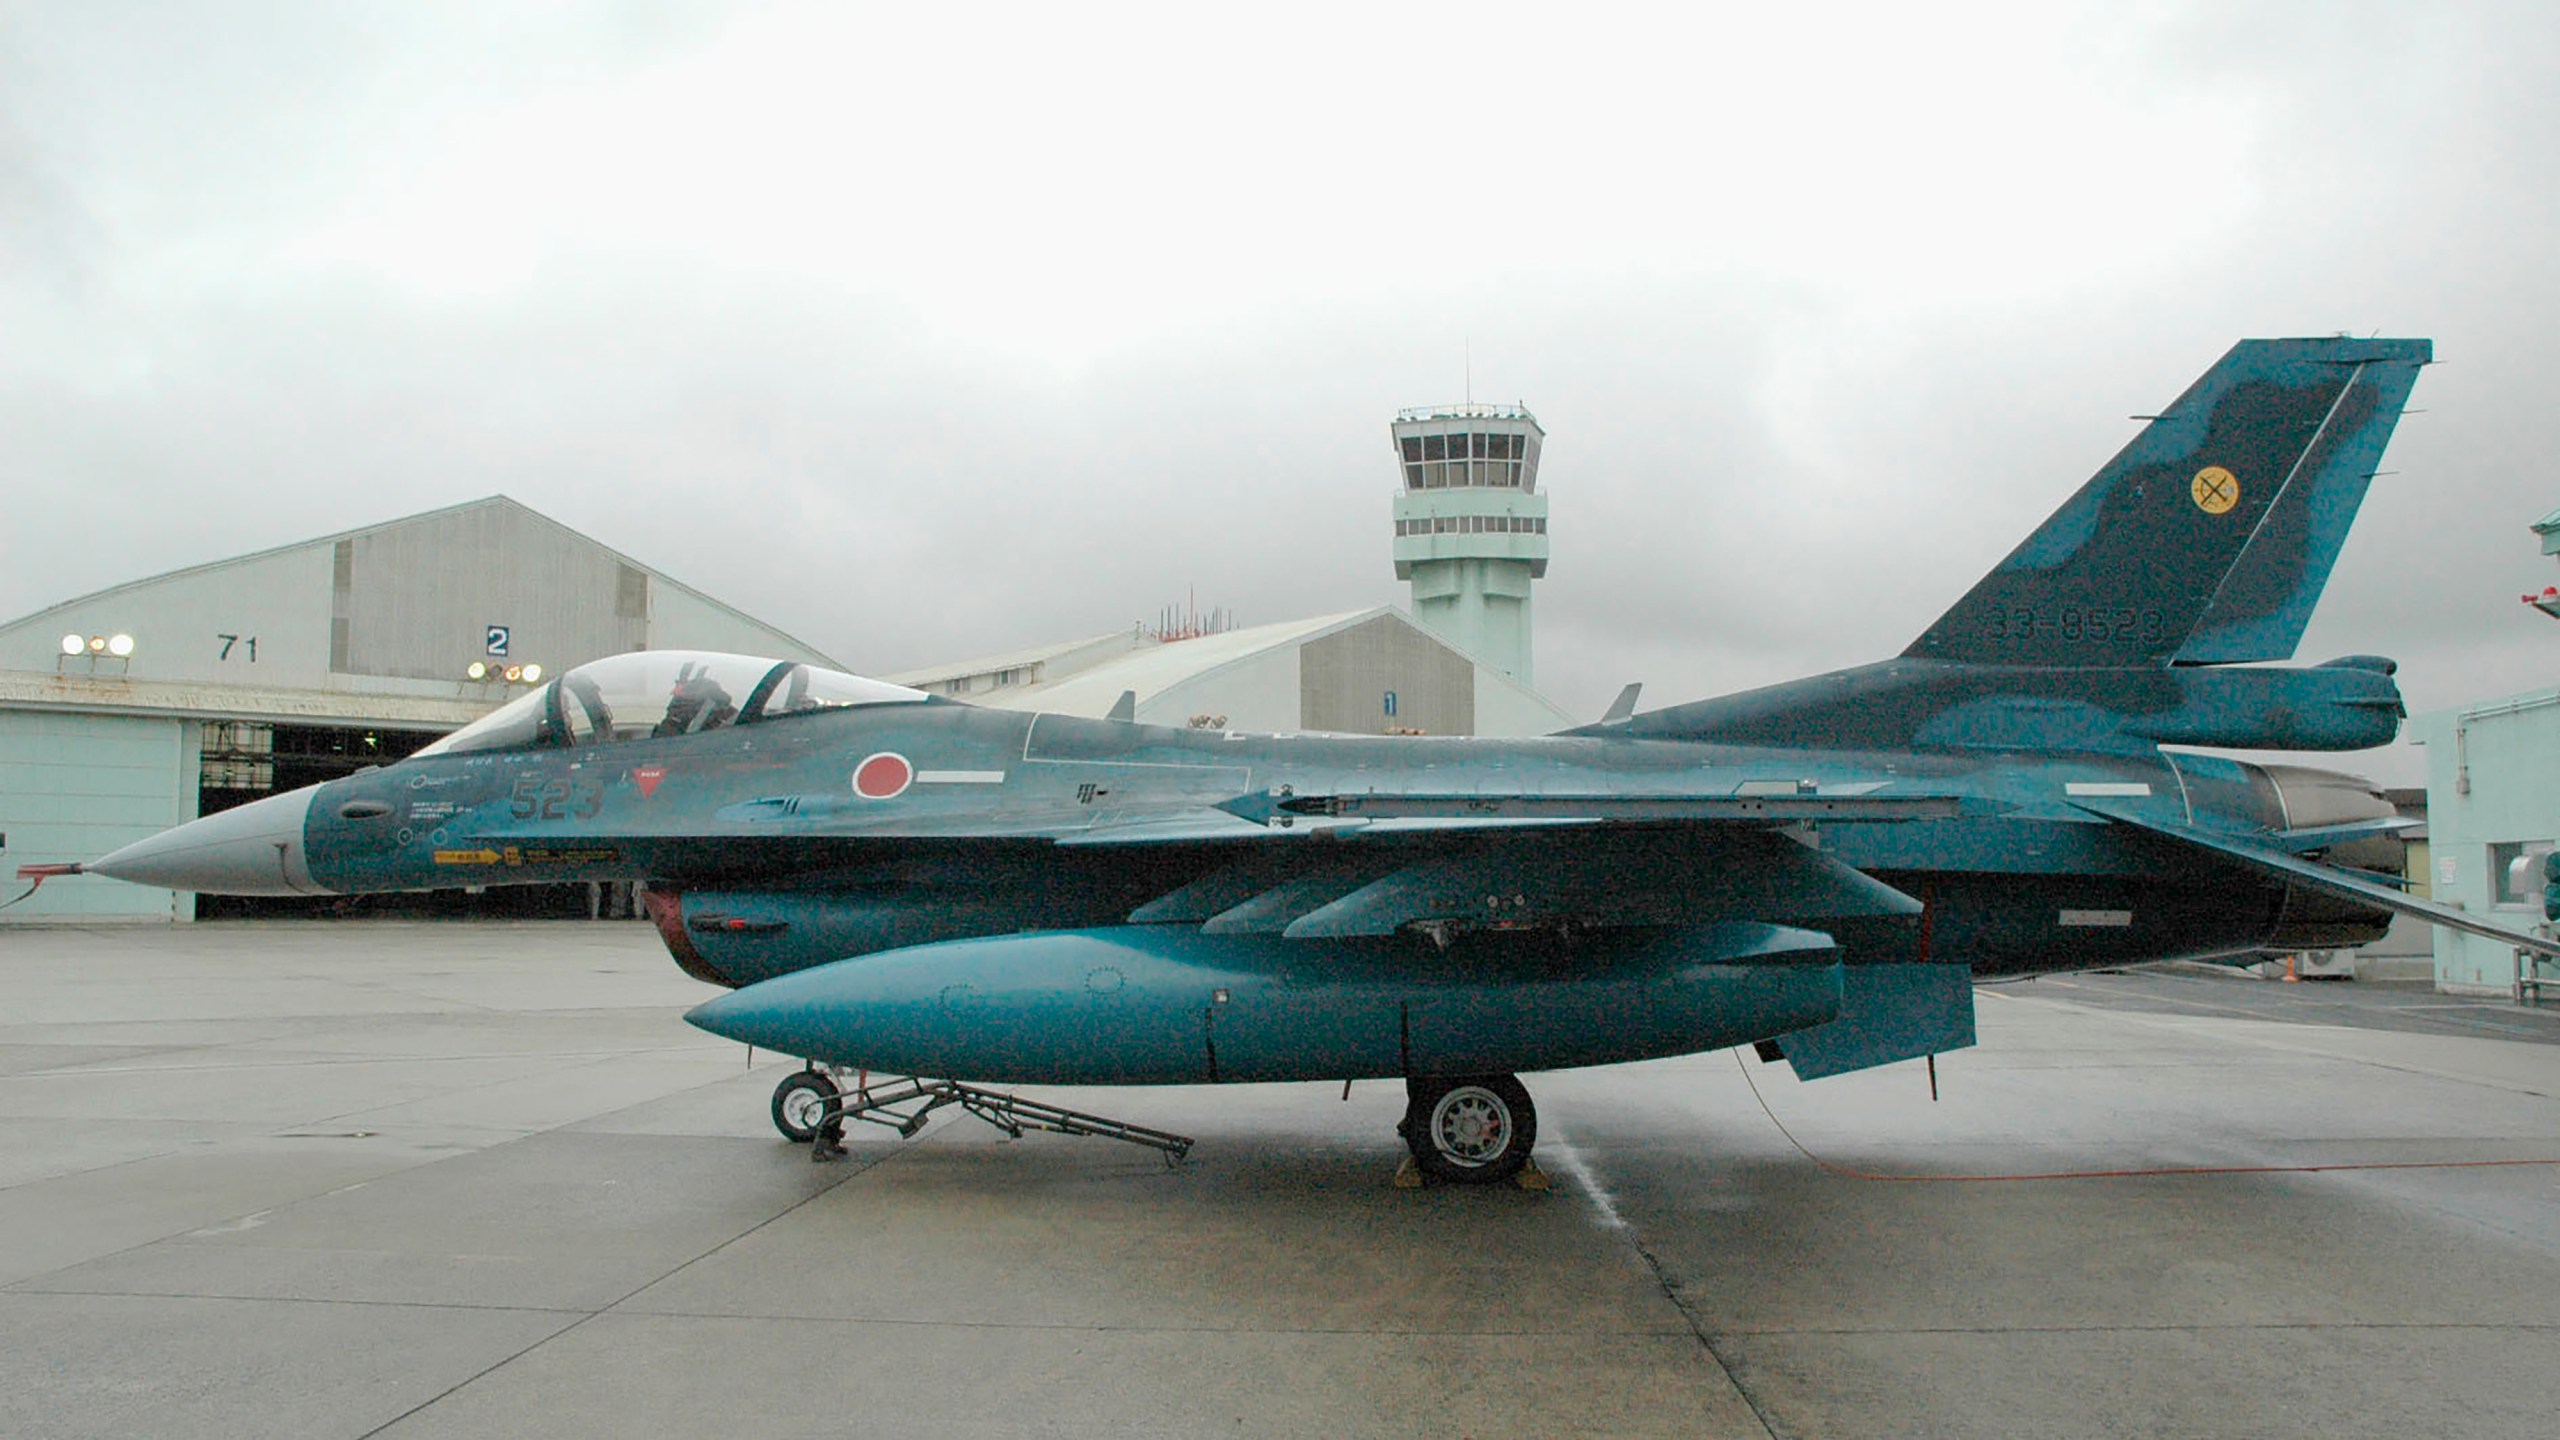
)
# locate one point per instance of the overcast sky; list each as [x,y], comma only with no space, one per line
[925,331]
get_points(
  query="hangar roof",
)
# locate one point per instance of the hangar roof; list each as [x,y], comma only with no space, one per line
[925,677]
[397,611]
[503,503]
[1153,669]
[1163,666]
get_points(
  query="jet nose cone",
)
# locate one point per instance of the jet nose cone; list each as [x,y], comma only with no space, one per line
[753,1019]
[811,1013]
[252,849]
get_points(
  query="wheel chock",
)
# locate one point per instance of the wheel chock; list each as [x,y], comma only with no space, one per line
[1409,1176]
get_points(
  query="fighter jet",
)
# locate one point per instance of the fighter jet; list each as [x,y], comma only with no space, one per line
[906,884]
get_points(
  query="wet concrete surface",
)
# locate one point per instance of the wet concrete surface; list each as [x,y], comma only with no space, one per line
[418,1179]
[2210,990]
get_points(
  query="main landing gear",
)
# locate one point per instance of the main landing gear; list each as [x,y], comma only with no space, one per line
[810,1107]
[1468,1129]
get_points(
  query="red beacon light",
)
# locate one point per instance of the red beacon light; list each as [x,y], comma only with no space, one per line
[2548,602]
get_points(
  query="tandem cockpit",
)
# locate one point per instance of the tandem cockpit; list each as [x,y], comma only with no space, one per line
[654,693]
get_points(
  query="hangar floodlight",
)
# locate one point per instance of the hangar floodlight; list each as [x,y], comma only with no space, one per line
[120,646]
[514,673]
[532,673]
[478,670]
[73,645]
[97,644]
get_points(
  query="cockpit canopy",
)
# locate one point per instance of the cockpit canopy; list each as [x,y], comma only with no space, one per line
[651,693]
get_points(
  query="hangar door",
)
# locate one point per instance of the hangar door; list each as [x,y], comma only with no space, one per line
[73,787]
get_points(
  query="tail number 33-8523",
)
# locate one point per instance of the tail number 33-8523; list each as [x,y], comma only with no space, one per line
[537,797]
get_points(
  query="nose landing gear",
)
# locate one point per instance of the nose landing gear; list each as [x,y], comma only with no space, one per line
[810,1107]
[800,1104]
[1469,1129]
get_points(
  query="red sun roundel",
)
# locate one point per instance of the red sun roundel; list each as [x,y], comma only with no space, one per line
[883,776]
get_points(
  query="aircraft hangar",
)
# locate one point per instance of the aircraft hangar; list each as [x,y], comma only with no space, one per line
[1373,672]
[2493,768]
[127,711]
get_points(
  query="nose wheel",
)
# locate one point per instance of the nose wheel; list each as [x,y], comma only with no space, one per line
[1469,1130]
[800,1104]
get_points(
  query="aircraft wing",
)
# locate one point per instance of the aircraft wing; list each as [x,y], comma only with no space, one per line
[2270,859]
[1495,858]
[1273,814]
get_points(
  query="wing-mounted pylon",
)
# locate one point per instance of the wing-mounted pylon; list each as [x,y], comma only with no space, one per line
[1657,876]
[1636,879]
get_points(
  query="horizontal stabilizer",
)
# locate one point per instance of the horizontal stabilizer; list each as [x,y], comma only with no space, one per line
[2321,837]
[2269,860]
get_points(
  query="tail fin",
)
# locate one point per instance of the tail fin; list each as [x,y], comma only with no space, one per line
[2209,538]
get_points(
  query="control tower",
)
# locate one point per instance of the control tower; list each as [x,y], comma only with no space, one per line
[1471,527]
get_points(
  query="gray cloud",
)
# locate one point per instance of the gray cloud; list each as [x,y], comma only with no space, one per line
[1758,468]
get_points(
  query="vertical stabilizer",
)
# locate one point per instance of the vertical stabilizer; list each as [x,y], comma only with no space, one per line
[2209,538]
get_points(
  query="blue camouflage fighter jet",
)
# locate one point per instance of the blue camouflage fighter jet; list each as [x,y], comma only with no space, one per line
[906,884]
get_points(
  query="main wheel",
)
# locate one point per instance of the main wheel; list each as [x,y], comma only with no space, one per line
[1474,1130]
[800,1103]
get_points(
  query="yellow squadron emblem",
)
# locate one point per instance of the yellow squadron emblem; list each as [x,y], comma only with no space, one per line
[2215,489]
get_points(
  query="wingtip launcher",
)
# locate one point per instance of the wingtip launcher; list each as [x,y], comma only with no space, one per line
[1282,807]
